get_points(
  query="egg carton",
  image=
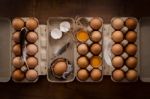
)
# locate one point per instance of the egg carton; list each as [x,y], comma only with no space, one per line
[54,45]
[5,53]
[108,55]
[41,55]
[82,23]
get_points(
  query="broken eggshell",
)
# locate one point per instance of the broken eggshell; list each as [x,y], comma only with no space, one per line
[64,26]
[56,33]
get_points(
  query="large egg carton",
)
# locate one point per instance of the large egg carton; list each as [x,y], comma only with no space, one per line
[82,24]
[55,45]
[108,43]
[40,55]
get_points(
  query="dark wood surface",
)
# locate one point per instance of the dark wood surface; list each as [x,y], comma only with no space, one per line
[42,9]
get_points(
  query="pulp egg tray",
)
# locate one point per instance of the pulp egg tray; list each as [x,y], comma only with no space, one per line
[61,48]
[82,24]
[40,55]
[108,55]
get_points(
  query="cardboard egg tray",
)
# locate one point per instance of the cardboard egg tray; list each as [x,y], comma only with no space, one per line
[56,44]
[40,55]
[108,55]
[82,23]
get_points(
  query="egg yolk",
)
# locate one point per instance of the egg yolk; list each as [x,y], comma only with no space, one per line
[82,36]
[96,61]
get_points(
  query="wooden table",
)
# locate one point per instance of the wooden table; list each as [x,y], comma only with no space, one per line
[42,9]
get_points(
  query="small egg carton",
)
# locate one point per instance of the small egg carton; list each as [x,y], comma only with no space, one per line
[82,23]
[108,43]
[55,45]
[41,55]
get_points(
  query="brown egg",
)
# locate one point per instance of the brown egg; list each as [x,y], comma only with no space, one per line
[117,49]
[131,62]
[117,23]
[95,23]
[131,49]
[32,23]
[117,36]
[82,62]
[131,36]
[32,37]
[83,74]
[131,75]
[96,48]
[96,36]
[118,75]
[17,62]
[18,75]
[16,37]
[32,49]
[60,68]
[96,74]
[96,61]
[16,49]
[18,23]
[131,23]
[31,75]
[117,61]
[32,62]
[82,49]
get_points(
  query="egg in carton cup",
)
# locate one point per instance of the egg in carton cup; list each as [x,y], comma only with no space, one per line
[121,43]
[26,48]
[60,49]
[88,51]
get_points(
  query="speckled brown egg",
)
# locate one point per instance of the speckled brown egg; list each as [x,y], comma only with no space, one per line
[32,37]
[131,62]
[16,49]
[96,48]
[18,75]
[131,23]
[117,36]
[18,23]
[32,62]
[83,74]
[118,75]
[117,49]
[82,62]
[96,36]
[31,75]
[131,36]
[17,62]
[131,49]
[96,74]
[32,23]
[16,37]
[95,23]
[32,49]
[131,75]
[117,23]
[82,49]
[117,61]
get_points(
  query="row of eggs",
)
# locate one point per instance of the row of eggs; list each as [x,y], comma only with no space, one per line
[124,49]
[25,69]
